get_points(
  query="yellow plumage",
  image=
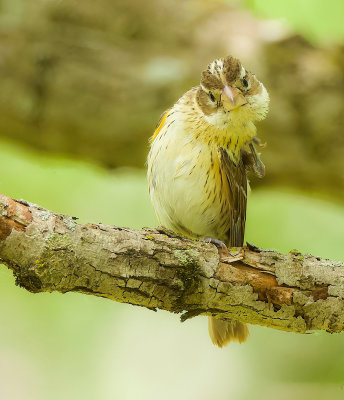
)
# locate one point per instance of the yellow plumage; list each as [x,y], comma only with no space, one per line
[196,165]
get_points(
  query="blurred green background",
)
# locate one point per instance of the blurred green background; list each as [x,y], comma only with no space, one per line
[83,84]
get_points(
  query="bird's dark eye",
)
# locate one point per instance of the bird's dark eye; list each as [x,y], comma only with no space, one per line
[212,97]
[244,82]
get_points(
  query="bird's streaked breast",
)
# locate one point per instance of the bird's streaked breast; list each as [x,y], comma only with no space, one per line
[188,189]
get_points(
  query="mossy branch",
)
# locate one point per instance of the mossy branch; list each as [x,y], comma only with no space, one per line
[157,269]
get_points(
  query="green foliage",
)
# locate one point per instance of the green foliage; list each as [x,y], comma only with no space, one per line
[318,20]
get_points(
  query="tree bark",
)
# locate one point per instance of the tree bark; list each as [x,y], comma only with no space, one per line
[157,269]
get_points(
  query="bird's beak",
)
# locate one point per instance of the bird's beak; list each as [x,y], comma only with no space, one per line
[232,98]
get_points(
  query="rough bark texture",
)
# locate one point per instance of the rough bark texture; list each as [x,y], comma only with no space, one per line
[157,269]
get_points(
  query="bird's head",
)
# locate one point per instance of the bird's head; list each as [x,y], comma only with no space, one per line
[230,94]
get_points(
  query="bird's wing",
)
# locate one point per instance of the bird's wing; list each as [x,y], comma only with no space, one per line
[237,185]
[251,160]
[160,124]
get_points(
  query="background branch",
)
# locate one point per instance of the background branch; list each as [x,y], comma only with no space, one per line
[158,269]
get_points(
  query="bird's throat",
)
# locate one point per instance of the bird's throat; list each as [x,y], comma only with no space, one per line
[233,138]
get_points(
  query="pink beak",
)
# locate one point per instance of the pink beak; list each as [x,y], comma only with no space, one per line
[228,91]
[232,98]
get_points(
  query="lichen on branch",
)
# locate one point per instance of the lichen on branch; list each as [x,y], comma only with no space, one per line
[158,269]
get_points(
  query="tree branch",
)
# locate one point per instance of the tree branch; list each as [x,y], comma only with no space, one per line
[157,269]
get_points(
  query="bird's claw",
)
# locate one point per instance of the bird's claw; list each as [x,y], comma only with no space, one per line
[218,243]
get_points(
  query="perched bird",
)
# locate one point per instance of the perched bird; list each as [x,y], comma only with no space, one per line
[200,154]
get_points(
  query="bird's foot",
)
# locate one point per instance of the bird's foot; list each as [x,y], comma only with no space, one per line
[222,248]
[216,242]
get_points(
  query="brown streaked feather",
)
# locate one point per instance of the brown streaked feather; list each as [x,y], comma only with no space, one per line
[210,81]
[237,184]
[202,100]
[231,68]
[223,332]
[252,161]
[255,86]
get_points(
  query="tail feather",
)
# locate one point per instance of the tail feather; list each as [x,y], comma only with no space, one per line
[223,332]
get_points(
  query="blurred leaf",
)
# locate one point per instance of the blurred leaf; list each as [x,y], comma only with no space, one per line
[318,20]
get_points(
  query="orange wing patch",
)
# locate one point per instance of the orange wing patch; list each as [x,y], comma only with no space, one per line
[160,125]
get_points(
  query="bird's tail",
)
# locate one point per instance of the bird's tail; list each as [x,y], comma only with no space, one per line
[223,332]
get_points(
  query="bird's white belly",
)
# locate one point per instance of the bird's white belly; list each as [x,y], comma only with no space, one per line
[183,195]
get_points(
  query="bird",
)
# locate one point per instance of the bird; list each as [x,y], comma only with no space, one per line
[201,153]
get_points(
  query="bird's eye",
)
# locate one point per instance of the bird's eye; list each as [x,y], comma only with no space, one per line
[212,97]
[244,82]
